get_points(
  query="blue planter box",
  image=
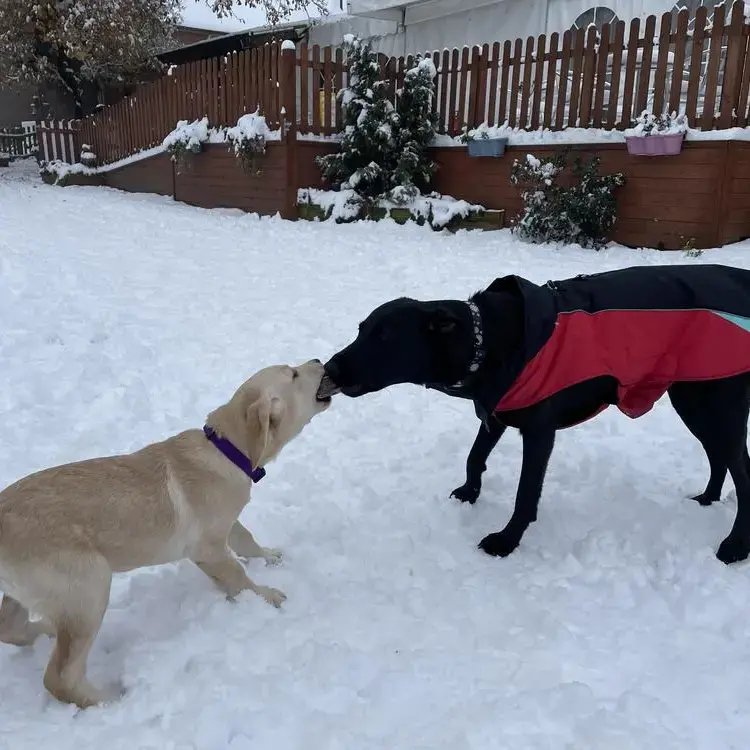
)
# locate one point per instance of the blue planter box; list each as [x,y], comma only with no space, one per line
[487,146]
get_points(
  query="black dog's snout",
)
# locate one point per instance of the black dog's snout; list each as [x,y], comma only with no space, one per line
[333,370]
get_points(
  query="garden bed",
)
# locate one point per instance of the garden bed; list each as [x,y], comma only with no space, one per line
[440,212]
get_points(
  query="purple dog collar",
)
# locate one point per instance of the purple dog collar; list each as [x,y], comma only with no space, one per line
[234,454]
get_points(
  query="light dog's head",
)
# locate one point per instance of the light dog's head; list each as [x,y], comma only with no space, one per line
[270,409]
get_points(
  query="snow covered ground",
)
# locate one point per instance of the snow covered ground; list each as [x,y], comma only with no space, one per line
[125,318]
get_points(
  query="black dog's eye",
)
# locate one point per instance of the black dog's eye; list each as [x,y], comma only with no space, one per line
[385,335]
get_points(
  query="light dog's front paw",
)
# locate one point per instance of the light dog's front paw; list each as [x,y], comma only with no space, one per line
[272,596]
[272,556]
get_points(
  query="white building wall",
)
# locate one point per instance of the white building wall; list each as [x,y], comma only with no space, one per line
[503,20]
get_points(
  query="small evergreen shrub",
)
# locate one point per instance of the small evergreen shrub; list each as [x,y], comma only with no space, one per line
[416,130]
[366,157]
[583,212]
[383,153]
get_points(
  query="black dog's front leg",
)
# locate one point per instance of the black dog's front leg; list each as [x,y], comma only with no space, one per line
[537,448]
[476,463]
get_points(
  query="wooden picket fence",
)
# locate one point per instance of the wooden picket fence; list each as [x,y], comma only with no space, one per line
[221,88]
[585,78]
[58,140]
[582,78]
[17,143]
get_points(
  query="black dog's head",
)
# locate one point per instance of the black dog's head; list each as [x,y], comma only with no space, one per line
[405,341]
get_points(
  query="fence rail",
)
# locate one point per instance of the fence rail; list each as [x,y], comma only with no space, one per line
[600,78]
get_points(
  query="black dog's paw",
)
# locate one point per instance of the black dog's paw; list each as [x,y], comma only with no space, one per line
[466,493]
[499,544]
[733,549]
[706,500]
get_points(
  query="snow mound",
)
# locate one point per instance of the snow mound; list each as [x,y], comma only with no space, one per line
[190,135]
[345,205]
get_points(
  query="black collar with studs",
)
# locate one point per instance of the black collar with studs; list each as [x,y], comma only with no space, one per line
[479,350]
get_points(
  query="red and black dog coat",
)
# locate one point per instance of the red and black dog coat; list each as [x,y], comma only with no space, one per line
[648,327]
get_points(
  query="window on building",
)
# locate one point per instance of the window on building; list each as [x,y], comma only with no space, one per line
[596,16]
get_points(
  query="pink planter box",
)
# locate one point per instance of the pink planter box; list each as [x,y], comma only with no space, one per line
[654,145]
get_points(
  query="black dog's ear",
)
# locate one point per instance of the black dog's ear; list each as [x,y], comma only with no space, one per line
[442,320]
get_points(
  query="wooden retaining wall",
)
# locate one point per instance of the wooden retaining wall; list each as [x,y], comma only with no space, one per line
[702,194]
[699,198]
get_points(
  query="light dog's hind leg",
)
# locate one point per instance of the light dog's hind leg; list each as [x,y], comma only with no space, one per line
[76,598]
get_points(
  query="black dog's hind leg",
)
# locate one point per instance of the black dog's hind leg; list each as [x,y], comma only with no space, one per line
[695,411]
[736,546]
[476,463]
[718,411]
[537,448]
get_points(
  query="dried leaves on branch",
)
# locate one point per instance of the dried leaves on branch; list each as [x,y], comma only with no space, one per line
[70,42]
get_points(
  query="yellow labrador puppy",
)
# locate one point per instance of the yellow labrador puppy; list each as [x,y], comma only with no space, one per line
[65,530]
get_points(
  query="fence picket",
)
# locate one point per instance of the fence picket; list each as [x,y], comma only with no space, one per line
[575,78]
[630,66]
[515,83]
[563,86]
[712,73]
[699,34]
[549,94]
[504,93]
[453,125]
[660,75]
[538,82]
[528,64]
[644,75]
[600,85]
[494,69]
[589,69]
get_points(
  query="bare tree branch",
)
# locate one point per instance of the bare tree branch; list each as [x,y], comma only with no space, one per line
[275,10]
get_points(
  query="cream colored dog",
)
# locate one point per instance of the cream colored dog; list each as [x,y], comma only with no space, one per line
[64,531]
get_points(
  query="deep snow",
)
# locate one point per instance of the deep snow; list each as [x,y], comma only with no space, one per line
[125,318]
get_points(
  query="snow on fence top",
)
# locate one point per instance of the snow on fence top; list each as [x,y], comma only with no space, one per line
[585,78]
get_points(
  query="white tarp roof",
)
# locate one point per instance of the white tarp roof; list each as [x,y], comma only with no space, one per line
[413,11]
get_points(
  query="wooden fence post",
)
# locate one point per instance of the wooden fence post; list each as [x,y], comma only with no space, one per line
[288,123]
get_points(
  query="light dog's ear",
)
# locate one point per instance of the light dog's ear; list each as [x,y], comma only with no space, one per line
[442,320]
[262,418]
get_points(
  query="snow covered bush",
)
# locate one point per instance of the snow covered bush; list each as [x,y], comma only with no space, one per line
[582,212]
[368,155]
[247,140]
[415,132]
[665,124]
[88,157]
[187,138]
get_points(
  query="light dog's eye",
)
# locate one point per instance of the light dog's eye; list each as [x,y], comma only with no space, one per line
[295,374]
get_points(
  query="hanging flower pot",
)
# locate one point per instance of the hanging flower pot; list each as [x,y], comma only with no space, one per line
[656,135]
[655,144]
[487,146]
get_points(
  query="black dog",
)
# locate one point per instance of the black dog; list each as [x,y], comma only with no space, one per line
[544,358]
